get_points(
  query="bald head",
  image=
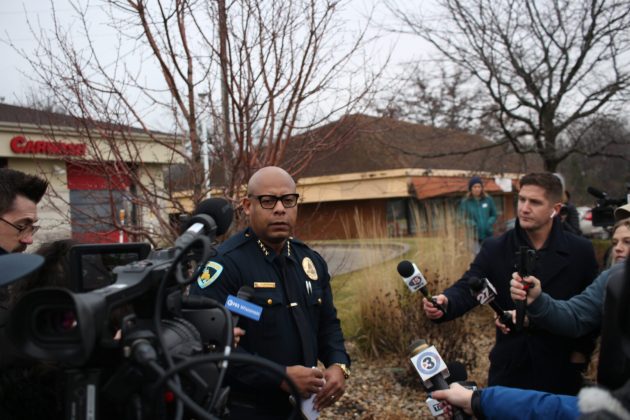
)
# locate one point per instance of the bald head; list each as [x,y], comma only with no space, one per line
[269,175]
[273,188]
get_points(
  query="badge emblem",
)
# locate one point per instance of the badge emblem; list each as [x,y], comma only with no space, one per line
[309,268]
[211,272]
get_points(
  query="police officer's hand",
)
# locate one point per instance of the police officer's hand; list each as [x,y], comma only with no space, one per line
[518,291]
[333,389]
[430,310]
[238,333]
[307,380]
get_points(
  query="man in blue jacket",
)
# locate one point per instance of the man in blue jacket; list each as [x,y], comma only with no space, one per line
[565,264]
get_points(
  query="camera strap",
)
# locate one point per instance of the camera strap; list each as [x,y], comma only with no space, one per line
[297,311]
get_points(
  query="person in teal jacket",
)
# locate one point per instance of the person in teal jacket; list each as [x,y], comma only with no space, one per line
[478,209]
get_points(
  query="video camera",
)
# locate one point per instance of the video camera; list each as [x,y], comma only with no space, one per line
[603,212]
[154,366]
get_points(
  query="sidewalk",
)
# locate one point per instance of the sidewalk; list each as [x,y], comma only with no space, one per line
[344,258]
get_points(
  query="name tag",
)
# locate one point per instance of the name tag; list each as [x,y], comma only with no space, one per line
[243,308]
[264,285]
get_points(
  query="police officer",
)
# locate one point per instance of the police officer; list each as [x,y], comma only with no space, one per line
[298,325]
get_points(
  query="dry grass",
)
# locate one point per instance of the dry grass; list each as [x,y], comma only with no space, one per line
[382,317]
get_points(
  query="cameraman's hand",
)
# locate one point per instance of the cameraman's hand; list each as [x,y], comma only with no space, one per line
[307,380]
[517,288]
[430,310]
[333,389]
[457,395]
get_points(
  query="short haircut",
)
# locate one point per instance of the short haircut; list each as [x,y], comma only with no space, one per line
[547,181]
[14,183]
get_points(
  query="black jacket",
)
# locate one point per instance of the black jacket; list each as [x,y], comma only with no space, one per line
[243,260]
[531,359]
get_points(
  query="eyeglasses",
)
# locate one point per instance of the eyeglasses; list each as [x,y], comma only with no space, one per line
[268,202]
[22,230]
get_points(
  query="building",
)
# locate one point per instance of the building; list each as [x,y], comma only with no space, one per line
[393,175]
[96,171]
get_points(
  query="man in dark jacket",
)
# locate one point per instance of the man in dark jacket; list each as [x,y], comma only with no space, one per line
[298,325]
[565,264]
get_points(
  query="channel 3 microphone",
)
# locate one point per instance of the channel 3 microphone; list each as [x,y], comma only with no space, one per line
[484,292]
[525,267]
[433,372]
[413,278]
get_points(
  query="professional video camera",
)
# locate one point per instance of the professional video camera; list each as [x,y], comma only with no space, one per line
[157,366]
[603,212]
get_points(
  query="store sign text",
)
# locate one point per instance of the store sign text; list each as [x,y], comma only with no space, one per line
[21,145]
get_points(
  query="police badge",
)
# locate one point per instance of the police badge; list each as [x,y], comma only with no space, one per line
[309,268]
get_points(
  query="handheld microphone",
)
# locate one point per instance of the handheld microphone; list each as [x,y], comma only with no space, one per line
[413,278]
[484,292]
[433,373]
[245,293]
[525,267]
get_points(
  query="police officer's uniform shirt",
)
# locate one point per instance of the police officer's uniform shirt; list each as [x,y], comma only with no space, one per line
[245,260]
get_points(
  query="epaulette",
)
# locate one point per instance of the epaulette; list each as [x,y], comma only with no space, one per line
[234,242]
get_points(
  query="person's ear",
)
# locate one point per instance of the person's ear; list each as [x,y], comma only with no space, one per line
[246,204]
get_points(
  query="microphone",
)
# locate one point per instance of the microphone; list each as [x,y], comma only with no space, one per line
[245,293]
[433,373]
[212,217]
[484,292]
[413,278]
[525,267]
[596,193]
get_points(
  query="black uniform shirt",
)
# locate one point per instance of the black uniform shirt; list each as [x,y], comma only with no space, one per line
[244,260]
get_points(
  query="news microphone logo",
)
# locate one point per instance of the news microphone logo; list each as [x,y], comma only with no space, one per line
[428,363]
[243,308]
[412,276]
[487,293]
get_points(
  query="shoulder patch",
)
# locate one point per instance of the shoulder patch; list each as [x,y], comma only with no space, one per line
[210,274]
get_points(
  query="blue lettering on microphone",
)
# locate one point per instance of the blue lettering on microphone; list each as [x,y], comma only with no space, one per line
[243,308]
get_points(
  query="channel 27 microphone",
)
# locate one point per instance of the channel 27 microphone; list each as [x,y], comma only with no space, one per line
[433,372]
[413,278]
[484,292]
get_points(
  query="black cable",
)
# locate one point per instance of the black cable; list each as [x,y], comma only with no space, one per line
[245,358]
[159,298]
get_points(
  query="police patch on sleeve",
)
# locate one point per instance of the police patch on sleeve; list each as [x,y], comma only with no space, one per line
[211,272]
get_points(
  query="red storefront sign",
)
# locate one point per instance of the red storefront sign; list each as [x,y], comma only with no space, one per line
[22,145]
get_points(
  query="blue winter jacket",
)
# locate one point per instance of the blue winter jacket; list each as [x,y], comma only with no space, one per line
[502,403]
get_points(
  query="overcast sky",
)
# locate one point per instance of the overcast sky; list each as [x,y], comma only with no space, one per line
[15,83]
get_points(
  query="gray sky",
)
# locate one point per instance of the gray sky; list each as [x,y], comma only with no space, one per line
[15,83]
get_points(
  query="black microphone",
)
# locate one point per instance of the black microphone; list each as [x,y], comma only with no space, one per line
[433,373]
[596,193]
[246,293]
[413,278]
[525,267]
[212,217]
[484,292]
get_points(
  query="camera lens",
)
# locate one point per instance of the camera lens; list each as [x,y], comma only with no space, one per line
[56,323]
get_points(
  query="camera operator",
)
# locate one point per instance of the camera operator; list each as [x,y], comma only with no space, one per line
[565,263]
[510,403]
[298,324]
[19,195]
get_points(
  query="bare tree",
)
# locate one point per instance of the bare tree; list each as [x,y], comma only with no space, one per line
[246,76]
[545,64]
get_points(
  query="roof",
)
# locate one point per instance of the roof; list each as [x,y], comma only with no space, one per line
[378,143]
[22,116]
